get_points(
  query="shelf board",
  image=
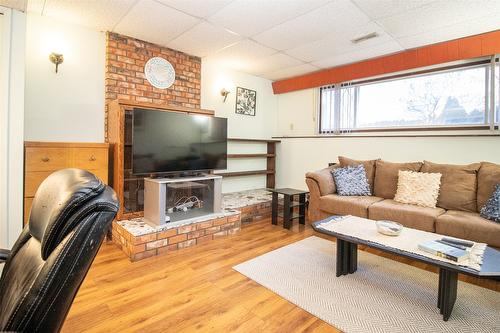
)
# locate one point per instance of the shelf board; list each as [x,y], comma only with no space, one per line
[252,140]
[294,204]
[292,216]
[245,173]
[249,155]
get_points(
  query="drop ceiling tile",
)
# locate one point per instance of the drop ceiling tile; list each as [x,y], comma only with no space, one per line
[290,72]
[197,8]
[250,17]
[464,29]
[100,15]
[338,43]
[204,39]
[341,15]
[153,22]
[242,55]
[437,15]
[376,9]
[358,55]
[272,63]
[15,4]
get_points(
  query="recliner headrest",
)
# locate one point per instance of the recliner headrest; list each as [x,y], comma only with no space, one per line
[57,199]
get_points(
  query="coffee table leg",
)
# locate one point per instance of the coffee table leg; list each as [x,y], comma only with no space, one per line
[447,292]
[347,257]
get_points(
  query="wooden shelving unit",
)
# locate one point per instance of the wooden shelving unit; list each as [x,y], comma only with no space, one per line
[270,156]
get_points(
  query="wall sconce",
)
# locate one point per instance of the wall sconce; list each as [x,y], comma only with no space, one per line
[56,59]
[224,94]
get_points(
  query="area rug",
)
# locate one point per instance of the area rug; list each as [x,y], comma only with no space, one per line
[382,296]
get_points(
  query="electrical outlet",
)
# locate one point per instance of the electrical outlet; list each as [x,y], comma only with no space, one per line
[291,126]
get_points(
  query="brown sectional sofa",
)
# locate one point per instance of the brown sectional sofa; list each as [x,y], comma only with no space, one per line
[464,190]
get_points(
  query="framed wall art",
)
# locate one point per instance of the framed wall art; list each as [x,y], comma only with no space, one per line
[246,101]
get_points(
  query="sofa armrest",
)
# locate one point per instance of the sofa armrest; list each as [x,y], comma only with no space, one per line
[4,255]
[324,179]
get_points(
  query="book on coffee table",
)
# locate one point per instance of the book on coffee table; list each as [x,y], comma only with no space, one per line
[444,251]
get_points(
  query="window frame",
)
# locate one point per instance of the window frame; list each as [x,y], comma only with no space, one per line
[488,63]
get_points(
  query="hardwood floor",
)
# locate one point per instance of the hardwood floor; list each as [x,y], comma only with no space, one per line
[195,289]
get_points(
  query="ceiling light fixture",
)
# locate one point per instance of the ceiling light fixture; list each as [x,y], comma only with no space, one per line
[365,37]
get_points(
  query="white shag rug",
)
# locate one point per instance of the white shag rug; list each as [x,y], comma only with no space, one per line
[381,296]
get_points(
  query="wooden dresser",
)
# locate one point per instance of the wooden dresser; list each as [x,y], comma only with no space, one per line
[43,158]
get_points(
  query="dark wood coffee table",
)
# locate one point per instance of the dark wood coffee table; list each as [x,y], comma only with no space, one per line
[347,263]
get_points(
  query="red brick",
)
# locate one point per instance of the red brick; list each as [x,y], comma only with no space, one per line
[177,239]
[222,220]
[143,239]
[186,228]
[204,239]
[233,218]
[187,243]
[204,225]
[167,248]
[143,255]
[212,230]
[196,234]
[167,233]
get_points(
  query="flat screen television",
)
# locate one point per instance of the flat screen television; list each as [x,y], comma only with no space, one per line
[168,142]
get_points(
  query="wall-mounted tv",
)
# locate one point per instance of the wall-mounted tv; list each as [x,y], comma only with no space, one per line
[169,142]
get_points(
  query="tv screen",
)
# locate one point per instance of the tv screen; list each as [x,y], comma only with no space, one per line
[166,142]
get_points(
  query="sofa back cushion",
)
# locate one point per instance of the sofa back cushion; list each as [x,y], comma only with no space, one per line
[488,177]
[458,185]
[369,167]
[386,177]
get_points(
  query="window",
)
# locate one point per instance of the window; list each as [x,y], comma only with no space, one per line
[450,98]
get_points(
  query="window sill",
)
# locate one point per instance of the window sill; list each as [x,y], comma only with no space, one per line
[398,134]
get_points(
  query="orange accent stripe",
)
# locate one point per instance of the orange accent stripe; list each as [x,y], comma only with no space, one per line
[459,49]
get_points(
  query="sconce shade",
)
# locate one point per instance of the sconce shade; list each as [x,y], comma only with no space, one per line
[56,59]
[224,94]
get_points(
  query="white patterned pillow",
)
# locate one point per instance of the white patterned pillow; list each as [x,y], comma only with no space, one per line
[418,188]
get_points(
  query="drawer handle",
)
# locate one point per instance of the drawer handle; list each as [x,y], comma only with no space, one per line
[92,158]
[45,159]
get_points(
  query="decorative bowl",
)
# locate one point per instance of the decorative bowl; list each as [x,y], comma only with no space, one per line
[389,228]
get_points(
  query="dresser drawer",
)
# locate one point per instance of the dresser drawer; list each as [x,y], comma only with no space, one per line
[27,209]
[90,158]
[46,159]
[32,181]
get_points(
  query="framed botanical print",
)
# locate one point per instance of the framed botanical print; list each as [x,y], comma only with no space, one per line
[246,101]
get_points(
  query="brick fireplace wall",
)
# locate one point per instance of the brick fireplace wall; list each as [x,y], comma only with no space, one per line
[125,60]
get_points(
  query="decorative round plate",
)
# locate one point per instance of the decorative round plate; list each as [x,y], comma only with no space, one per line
[159,72]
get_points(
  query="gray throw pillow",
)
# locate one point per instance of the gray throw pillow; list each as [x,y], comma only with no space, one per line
[351,180]
[491,210]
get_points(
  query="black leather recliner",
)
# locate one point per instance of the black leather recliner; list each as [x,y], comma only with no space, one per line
[71,213]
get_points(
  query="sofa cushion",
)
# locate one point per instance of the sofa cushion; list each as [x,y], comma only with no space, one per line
[458,185]
[488,177]
[342,205]
[369,167]
[470,226]
[324,179]
[411,216]
[351,181]
[418,188]
[386,177]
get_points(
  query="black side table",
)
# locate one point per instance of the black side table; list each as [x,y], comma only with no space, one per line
[288,206]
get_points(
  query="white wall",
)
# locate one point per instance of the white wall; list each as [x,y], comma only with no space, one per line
[296,156]
[12,55]
[261,126]
[67,106]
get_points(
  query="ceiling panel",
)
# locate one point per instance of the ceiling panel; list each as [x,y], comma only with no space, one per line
[383,8]
[15,4]
[290,72]
[341,15]
[153,22]
[361,54]
[437,15]
[467,28]
[250,17]
[272,63]
[339,43]
[204,39]
[102,15]
[197,8]
[242,55]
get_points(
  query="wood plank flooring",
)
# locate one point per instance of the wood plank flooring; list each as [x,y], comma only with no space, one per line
[195,289]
